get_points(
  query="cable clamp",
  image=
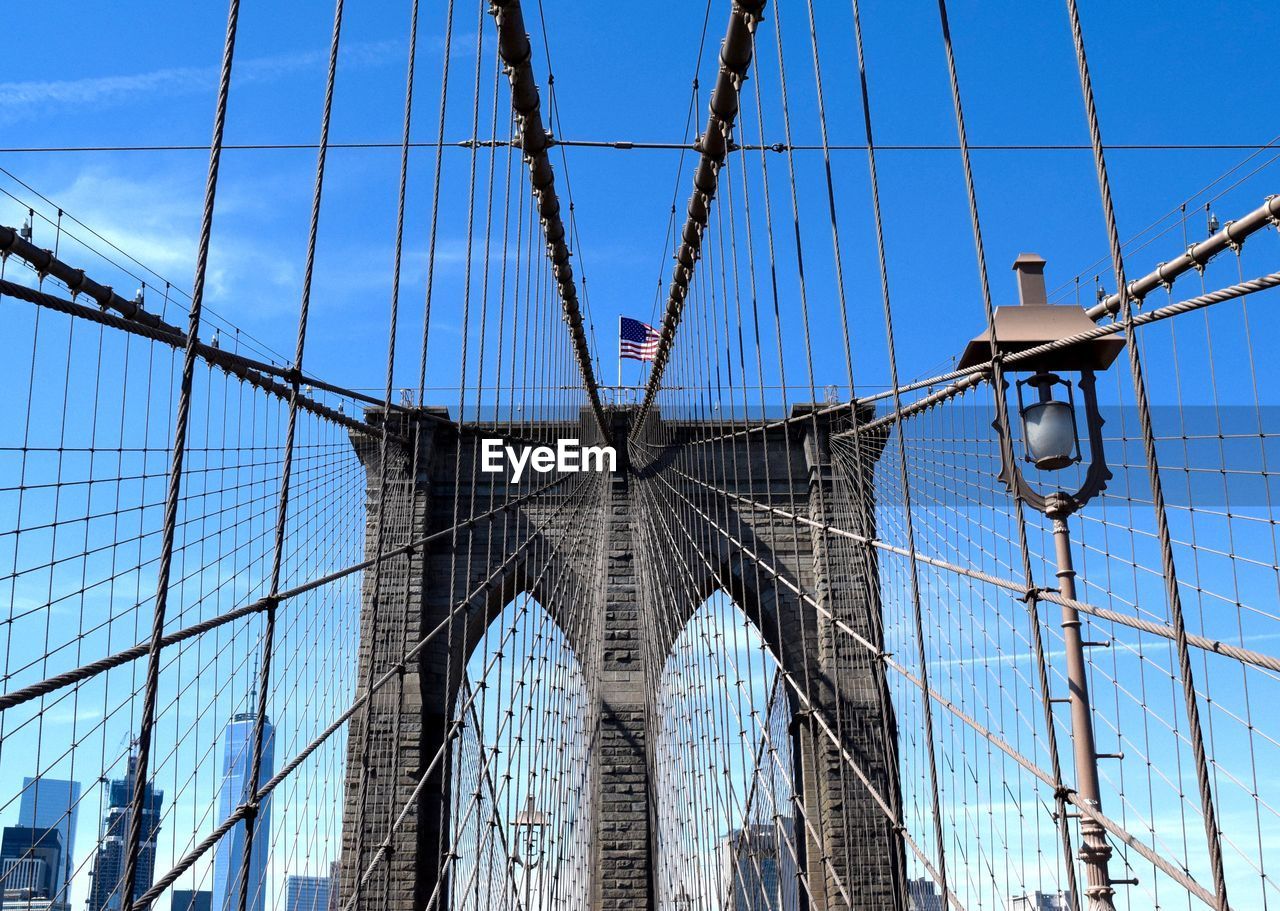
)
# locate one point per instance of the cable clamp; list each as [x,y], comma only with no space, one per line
[1034,593]
[73,286]
[1195,260]
[1235,245]
[1275,216]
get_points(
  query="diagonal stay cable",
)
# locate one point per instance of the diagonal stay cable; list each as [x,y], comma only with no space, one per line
[481,590]
[1166,866]
[1245,656]
[254,372]
[1208,803]
[92,669]
[133,318]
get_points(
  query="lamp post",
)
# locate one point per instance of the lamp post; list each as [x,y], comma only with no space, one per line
[530,827]
[1050,434]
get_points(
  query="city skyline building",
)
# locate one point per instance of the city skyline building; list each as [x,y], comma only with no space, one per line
[105,892]
[53,803]
[191,900]
[335,884]
[923,895]
[229,870]
[1041,901]
[25,874]
[29,859]
[308,893]
[760,873]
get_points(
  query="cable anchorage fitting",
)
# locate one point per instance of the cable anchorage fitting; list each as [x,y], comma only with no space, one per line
[1035,593]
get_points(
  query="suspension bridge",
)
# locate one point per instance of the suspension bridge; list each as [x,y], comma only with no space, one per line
[996,636]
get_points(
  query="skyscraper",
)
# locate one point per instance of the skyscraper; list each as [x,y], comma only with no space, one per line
[307,893]
[228,863]
[187,900]
[1041,901]
[51,803]
[923,895]
[761,872]
[105,891]
[29,859]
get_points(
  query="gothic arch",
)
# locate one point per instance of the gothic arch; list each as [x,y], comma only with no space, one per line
[746,822]
[606,607]
[523,716]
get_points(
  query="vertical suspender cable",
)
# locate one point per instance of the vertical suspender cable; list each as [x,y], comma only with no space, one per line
[513,45]
[735,60]
[139,796]
[286,472]
[1195,730]
[908,519]
[1005,439]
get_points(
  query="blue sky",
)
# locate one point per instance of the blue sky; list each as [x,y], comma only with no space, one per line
[141,74]
[129,74]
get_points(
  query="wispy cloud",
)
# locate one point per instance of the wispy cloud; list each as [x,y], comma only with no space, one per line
[155,218]
[20,100]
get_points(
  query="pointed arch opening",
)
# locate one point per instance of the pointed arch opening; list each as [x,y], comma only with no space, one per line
[724,774]
[520,780]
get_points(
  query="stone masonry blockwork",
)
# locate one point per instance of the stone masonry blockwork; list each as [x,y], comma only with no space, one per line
[398,755]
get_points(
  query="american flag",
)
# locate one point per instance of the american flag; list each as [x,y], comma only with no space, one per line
[637,340]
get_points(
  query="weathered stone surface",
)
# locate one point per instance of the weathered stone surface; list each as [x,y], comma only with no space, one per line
[621,611]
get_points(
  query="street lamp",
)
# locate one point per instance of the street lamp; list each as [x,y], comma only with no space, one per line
[1049,424]
[530,827]
[1051,442]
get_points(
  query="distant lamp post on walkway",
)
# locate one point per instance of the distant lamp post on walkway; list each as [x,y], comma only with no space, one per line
[1051,442]
[529,846]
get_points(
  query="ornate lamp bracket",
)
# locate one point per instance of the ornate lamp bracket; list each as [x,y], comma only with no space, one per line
[1060,504]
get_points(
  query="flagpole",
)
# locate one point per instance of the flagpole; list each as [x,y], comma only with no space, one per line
[619,358]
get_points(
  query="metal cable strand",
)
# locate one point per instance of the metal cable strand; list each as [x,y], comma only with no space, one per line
[445,849]
[253,372]
[973,376]
[1207,805]
[435,198]
[468,602]
[902,460]
[1000,389]
[1217,647]
[1166,866]
[735,61]
[818,491]
[392,325]
[813,711]
[515,50]
[139,797]
[286,471]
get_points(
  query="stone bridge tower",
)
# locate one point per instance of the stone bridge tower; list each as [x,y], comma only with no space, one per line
[671,537]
